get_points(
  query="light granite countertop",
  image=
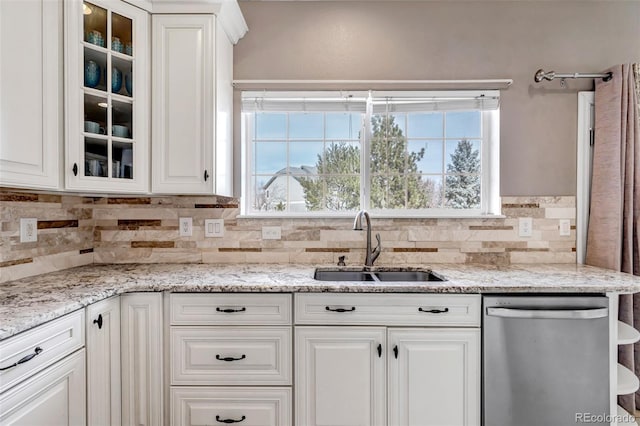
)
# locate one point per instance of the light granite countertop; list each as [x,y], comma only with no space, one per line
[29,302]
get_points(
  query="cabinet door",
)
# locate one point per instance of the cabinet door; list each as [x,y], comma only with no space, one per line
[141,332]
[103,362]
[435,379]
[31,93]
[340,376]
[183,110]
[53,397]
[107,96]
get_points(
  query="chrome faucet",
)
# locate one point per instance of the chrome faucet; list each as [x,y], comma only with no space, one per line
[372,254]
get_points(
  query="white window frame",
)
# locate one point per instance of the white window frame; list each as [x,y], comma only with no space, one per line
[490,170]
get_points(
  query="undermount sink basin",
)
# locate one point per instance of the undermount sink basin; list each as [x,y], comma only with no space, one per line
[386,275]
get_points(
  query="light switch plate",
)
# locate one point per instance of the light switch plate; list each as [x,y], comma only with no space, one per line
[28,230]
[565,227]
[186,226]
[271,232]
[525,227]
[214,228]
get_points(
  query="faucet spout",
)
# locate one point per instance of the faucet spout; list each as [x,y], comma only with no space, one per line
[371,254]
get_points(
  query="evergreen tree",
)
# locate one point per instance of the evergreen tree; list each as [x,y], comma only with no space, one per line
[395,182]
[331,192]
[394,179]
[462,190]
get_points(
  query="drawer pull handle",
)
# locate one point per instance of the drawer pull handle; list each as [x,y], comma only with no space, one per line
[229,358]
[219,420]
[230,310]
[98,321]
[27,358]
[434,311]
[353,308]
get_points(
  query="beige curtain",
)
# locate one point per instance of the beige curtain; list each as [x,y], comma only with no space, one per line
[613,238]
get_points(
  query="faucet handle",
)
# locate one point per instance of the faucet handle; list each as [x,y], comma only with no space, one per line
[341,261]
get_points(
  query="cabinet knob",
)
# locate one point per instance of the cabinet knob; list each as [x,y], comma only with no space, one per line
[206,175]
[75,169]
[98,321]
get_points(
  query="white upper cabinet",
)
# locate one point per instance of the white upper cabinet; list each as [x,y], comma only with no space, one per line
[30,93]
[106,96]
[184,103]
[192,105]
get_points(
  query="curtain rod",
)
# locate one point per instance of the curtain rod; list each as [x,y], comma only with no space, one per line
[448,84]
[550,75]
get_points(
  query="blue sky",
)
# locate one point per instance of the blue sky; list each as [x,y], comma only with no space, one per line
[306,132]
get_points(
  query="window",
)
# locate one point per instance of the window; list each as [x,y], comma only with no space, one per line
[393,153]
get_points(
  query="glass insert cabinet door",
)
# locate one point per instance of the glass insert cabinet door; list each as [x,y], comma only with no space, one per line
[107,103]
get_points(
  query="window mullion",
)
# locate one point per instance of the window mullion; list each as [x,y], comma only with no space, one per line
[366,137]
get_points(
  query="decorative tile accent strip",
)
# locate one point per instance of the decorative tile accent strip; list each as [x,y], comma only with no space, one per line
[326,250]
[8,196]
[124,200]
[216,206]
[50,224]
[521,206]
[137,223]
[153,244]
[15,262]
[239,249]
[490,228]
[510,249]
[87,250]
[415,250]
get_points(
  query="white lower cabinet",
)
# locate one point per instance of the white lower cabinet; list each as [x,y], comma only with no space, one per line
[352,375]
[103,363]
[224,367]
[142,378]
[340,376]
[205,406]
[434,377]
[53,397]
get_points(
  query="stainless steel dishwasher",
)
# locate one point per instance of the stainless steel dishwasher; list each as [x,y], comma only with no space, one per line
[545,360]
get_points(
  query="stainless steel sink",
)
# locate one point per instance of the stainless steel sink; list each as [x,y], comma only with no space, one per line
[384,275]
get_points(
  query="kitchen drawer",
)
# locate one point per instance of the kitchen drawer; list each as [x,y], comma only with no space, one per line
[460,310]
[54,396]
[51,341]
[231,355]
[230,309]
[247,406]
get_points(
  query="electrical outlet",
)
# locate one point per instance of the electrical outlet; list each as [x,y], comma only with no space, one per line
[271,232]
[214,228]
[565,227]
[186,226]
[28,230]
[525,227]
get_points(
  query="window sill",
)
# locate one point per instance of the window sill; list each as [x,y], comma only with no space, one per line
[373,216]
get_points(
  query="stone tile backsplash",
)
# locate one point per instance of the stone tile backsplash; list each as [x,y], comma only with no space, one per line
[74,230]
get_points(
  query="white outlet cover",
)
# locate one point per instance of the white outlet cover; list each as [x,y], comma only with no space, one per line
[271,232]
[28,230]
[186,226]
[525,227]
[565,227]
[214,228]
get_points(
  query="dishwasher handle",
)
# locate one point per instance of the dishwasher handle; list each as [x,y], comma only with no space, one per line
[548,313]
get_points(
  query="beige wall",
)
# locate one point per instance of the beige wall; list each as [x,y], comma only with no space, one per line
[457,40]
